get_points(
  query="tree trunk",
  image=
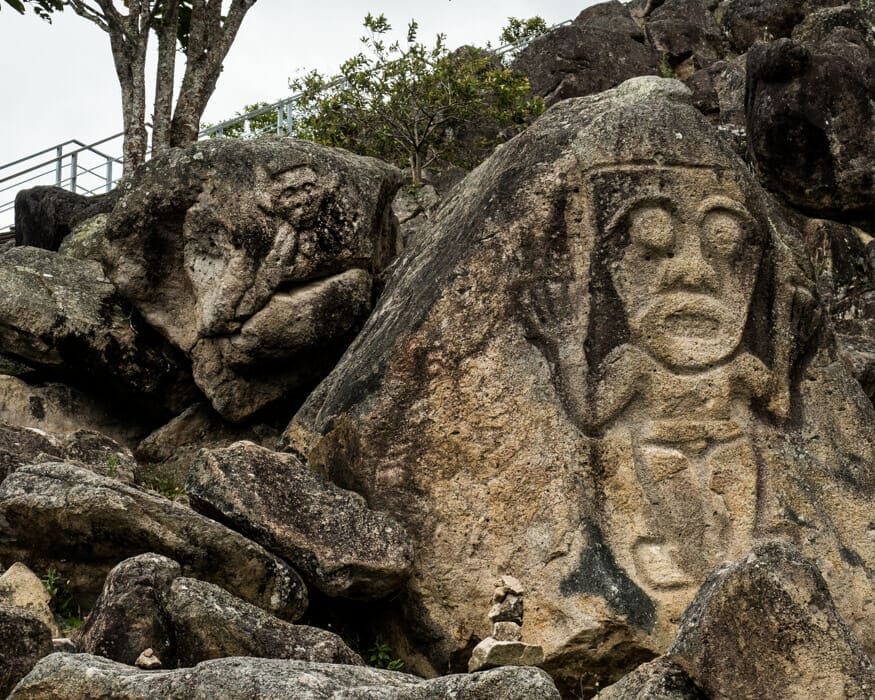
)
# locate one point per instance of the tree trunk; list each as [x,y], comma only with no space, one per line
[210,39]
[163,111]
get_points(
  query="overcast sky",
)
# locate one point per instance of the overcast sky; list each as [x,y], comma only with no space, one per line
[58,80]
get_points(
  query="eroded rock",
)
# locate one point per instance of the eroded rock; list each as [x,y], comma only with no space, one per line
[82,676]
[254,258]
[20,588]
[603,365]
[45,215]
[657,680]
[83,524]
[24,640]
[329,534]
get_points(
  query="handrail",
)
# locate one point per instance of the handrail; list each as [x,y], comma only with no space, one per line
[70,159]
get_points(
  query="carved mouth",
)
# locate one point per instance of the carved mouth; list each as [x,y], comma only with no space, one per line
[691,324]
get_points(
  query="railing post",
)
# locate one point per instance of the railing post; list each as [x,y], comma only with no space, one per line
[279,120]
[58,175]
[74,166]
[289,118]
[108,174]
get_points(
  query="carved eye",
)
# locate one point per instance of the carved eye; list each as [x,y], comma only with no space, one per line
[652,226]
[723,233]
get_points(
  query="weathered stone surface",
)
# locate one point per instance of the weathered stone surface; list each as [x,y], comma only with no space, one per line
[129,615]
[599,50]
[603,365]
[20,588]
[749,21]
[45,215]
[657,680]
[83,524]
[210,623]
[24,640]
[718,92]
[810,115]
[169,451]
[63,314]
[20,446]
[766,626]
[87,239]
[255,258]
[686,33]
[493,652]
[329,534]
[82,676]
[58,408]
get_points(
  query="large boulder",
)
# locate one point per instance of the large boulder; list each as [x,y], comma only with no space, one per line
[685,33]
[329,534]
[24,640]
[64,315]
[766,626]
[255,258]
[20,588]
[210,623]
[83,524]
[81,677]
[604,373]
[749,21]
[811,115]
[45,215]
[599,50]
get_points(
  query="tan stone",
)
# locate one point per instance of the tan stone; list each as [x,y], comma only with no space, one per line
[507,631]
[148,660]
[21,588]
[492,652]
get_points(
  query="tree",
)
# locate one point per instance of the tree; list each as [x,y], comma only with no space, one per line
[517,30]
[205,36]
[410,104]
[42,8]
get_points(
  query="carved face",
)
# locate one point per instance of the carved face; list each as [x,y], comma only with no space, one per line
[687,262]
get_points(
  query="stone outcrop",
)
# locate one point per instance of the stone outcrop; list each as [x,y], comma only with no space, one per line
[24,640]
[810,115]
[83,524]
[766,626]
[84,676]
[685,33]
[329,534]
[255,258]
[210,623]
[606,364]
[44,216]
[656,680]
[64,315]
[599,50]
[129,615]
[20,588]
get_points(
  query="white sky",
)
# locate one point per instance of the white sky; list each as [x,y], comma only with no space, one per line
[58,80]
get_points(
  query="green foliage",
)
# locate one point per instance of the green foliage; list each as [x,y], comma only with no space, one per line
[665,69]
[112,465]
[63,603]
[381,656]
[256,126]
[415,105]
[42,8]
[517,30]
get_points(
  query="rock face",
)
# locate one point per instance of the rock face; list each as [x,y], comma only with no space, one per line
[767,627]
[329,534]
[686,33]
[599,50]
[129,616]
[656,680]
[24,640]
[606,365]
[810,114]
[210,623]
[44,216]
[749,21]
[83,524]
[82,676]
[255,259]
[63,314]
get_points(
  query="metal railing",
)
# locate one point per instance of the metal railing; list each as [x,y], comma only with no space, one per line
[84,169]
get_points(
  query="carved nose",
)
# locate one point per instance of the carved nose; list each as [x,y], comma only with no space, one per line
[687,268]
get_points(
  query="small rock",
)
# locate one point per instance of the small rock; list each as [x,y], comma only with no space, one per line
[507,632]
[65,644]
[148,660]
[492,652]
[509,609]
[20,588]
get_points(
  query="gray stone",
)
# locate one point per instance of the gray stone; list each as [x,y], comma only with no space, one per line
[44,215]
[81,676]
[766,626]
[685,32]
[657,680]
[210,623]
[24,640]
[254,258]
[603,312]
[83,524]
[87,239]
[493,652]
[329,534]
[507,631]
[129,615]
